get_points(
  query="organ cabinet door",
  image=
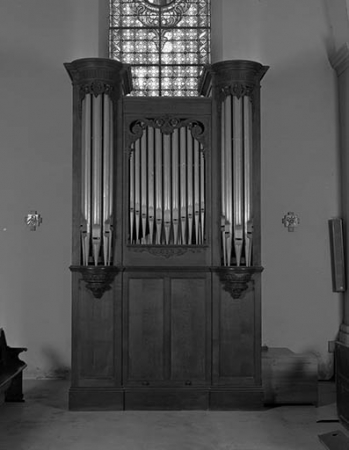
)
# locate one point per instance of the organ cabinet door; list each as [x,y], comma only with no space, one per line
[166,241]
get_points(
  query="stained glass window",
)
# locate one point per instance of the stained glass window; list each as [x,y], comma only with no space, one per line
[167,42]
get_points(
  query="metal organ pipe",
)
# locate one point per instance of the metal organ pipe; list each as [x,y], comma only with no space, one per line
[96,176]
[167,178]
[228,179]
[175,186]
[151,181]
[238,178]
[183,184]
[236,188]
[107,179]
[97,179]
[144,208]
[248,179]
[86,179]
[190,196]
[167,186]
[158,184]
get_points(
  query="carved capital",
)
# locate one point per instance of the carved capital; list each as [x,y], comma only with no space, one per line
[235,77]
[236,280]
[100,76]
[98,279]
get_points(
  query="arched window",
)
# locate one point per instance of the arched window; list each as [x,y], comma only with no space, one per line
[167,42]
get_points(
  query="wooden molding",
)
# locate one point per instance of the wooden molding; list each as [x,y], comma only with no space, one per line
[98,279]
[235,280]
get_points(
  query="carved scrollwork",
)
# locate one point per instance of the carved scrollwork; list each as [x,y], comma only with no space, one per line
[167,124]
[98,279]
[236,280]
[164,252]
[237,90]
[96,88]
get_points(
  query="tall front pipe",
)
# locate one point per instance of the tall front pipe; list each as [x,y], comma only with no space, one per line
[151,181]
[175,185]
[86,179]
[96,176]
[248,217]
[228,149]
[167,186]
[98,85]
[158,185]
[238,174]
[107,180]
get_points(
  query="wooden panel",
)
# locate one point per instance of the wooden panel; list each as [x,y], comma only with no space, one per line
[234,335]
[94,336]
[145,329]
[160,105]
[166,399]
[188,329]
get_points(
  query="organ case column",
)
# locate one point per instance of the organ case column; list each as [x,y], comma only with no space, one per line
[234,87]
[98,87]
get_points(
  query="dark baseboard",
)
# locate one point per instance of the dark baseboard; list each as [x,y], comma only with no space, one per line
[95,399]
[175,399]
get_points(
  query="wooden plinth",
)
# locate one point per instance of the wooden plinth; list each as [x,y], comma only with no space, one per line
[109,399]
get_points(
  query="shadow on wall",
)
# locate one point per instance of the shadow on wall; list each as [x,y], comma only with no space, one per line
[56,368]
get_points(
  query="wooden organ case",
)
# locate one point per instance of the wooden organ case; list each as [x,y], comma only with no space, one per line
[166,260]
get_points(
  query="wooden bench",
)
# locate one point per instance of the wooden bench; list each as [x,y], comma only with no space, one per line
[11,371]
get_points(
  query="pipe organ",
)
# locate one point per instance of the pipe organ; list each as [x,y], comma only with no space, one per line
[166,185]
[166,263]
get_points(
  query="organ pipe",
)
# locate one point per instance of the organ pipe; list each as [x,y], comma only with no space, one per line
[167,178]
[144,182]
[228,177]
[248,179]
[97,179]
[158,184]
[237,178]
[86,178]
[183,185]
[151,181]
[175,186]
[236,181]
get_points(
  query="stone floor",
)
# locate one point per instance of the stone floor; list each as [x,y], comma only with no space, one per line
[43,422]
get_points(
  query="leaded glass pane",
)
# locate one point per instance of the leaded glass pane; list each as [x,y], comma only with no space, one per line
[166,45]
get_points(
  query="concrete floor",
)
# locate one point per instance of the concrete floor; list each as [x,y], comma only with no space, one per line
[43,422]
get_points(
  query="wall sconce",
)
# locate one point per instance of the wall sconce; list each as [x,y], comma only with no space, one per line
[33,220]
[290,221]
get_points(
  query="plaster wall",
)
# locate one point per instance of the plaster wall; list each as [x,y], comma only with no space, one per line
[299,171]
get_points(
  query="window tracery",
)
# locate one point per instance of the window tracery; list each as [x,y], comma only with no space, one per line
[167,42]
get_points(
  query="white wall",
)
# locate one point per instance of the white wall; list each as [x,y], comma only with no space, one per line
[299,171]
[300,159]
